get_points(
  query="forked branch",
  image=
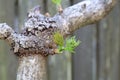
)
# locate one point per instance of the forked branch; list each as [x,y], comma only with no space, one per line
[37,34]
[36,38]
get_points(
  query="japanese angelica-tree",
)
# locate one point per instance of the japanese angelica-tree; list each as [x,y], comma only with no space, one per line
[35,42]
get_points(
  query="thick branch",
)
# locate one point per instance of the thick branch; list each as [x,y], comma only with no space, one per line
[28,42]
[5,31]
[37,34]
[86,12]
[32,68]
[36,38]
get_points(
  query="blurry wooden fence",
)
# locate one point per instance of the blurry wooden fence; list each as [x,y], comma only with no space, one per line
[97,58]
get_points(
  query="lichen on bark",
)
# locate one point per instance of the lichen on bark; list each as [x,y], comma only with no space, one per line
[35,41]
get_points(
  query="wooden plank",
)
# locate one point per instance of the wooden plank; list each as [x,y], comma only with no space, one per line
[110,46]
[7,60]
[59,66]
[84,60]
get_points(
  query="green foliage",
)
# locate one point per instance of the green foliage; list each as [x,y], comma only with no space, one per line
[65,45]
[71,44]
[58,39]
[57,2]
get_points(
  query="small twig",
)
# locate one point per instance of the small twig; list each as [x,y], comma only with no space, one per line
[60,9]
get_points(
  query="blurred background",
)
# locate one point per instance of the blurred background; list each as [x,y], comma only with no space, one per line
[97,57]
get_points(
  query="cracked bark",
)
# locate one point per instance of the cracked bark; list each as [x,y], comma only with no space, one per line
[35,42]
[31,68]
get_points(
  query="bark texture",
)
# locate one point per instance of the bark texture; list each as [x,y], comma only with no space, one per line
[86,12]
[35,41]
[37,35]
[32,68]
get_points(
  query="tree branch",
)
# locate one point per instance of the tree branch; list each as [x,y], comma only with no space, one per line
[37,34]
[5,31]
[86,12]
[36,39]
[32,68]
[28,42]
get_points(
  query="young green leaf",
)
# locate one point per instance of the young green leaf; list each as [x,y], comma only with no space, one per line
[57,2]
[71,44]
[58,39]
[61,49]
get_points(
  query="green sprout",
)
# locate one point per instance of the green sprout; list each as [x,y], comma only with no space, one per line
[65,45]
[57,2]
[58,39]
[71,44]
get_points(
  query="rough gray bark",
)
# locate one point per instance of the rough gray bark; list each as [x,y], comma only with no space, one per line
[33,65]
[35,41]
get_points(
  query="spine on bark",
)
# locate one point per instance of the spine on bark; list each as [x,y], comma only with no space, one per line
[36,40]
